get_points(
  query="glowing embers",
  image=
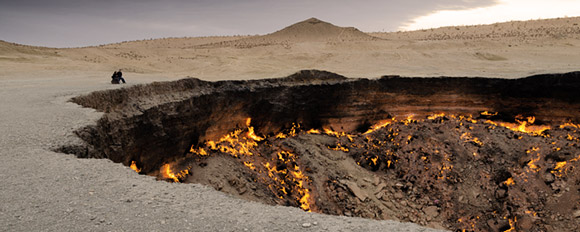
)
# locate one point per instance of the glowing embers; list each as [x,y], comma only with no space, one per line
[442,152]
[275,167]
[440,156]
[467,137]
[288,178]
[235,143]
[533,164]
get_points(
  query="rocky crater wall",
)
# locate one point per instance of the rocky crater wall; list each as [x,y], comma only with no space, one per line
[156,122]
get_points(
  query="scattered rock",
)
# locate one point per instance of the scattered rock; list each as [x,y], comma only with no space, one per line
[306,225]
[525,223]
[549,178]
[576,214]
[403,203]
[242,190]
[377,181]
[497,224]
[385,197]
[380,187]
[431,212]
[500,193]
[379,194]
[389,204]
[398,195]
[361,195]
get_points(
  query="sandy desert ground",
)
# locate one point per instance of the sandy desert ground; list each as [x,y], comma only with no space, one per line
[45,190]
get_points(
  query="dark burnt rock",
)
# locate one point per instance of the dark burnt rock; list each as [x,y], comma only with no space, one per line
[500,193]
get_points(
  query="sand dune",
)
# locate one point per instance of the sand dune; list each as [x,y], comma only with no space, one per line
[516,30]
[509,50]
[314,29]
[310,30]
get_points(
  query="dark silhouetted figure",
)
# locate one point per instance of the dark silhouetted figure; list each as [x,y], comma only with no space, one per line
[118,77]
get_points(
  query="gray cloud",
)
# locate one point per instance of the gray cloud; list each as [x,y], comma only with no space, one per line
[68,23]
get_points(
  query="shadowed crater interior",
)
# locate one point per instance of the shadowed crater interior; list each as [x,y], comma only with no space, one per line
[479,154]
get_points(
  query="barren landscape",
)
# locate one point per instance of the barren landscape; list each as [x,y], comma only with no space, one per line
[469,145]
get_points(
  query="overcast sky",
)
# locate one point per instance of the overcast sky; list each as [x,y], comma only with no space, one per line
[72,23]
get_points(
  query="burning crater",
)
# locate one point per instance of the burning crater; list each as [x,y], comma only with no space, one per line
[475,154]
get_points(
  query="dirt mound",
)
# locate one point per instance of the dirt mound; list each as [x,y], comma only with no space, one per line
[456,172]
[310,30]
[316,30]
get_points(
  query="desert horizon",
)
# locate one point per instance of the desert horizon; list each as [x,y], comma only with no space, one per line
[507,50]
[410,31]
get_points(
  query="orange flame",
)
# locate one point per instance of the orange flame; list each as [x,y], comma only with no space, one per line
[296,181]
[509,181]
[338,134]
[331,132]
[512,225]
[313,131]
[250,165]
[232,143]
[467,137]
[408,120]
[293,132]
[378,126]
[486,113]
[134,167]
[167,173]
[251,133]
[304,192]
[374,160]
[436,116]
[568,124]
[339,147]
[533,163]
[559,168]
[525,126]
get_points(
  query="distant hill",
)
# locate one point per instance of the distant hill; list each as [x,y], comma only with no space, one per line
[310,30]
[7,48]
[314,29]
